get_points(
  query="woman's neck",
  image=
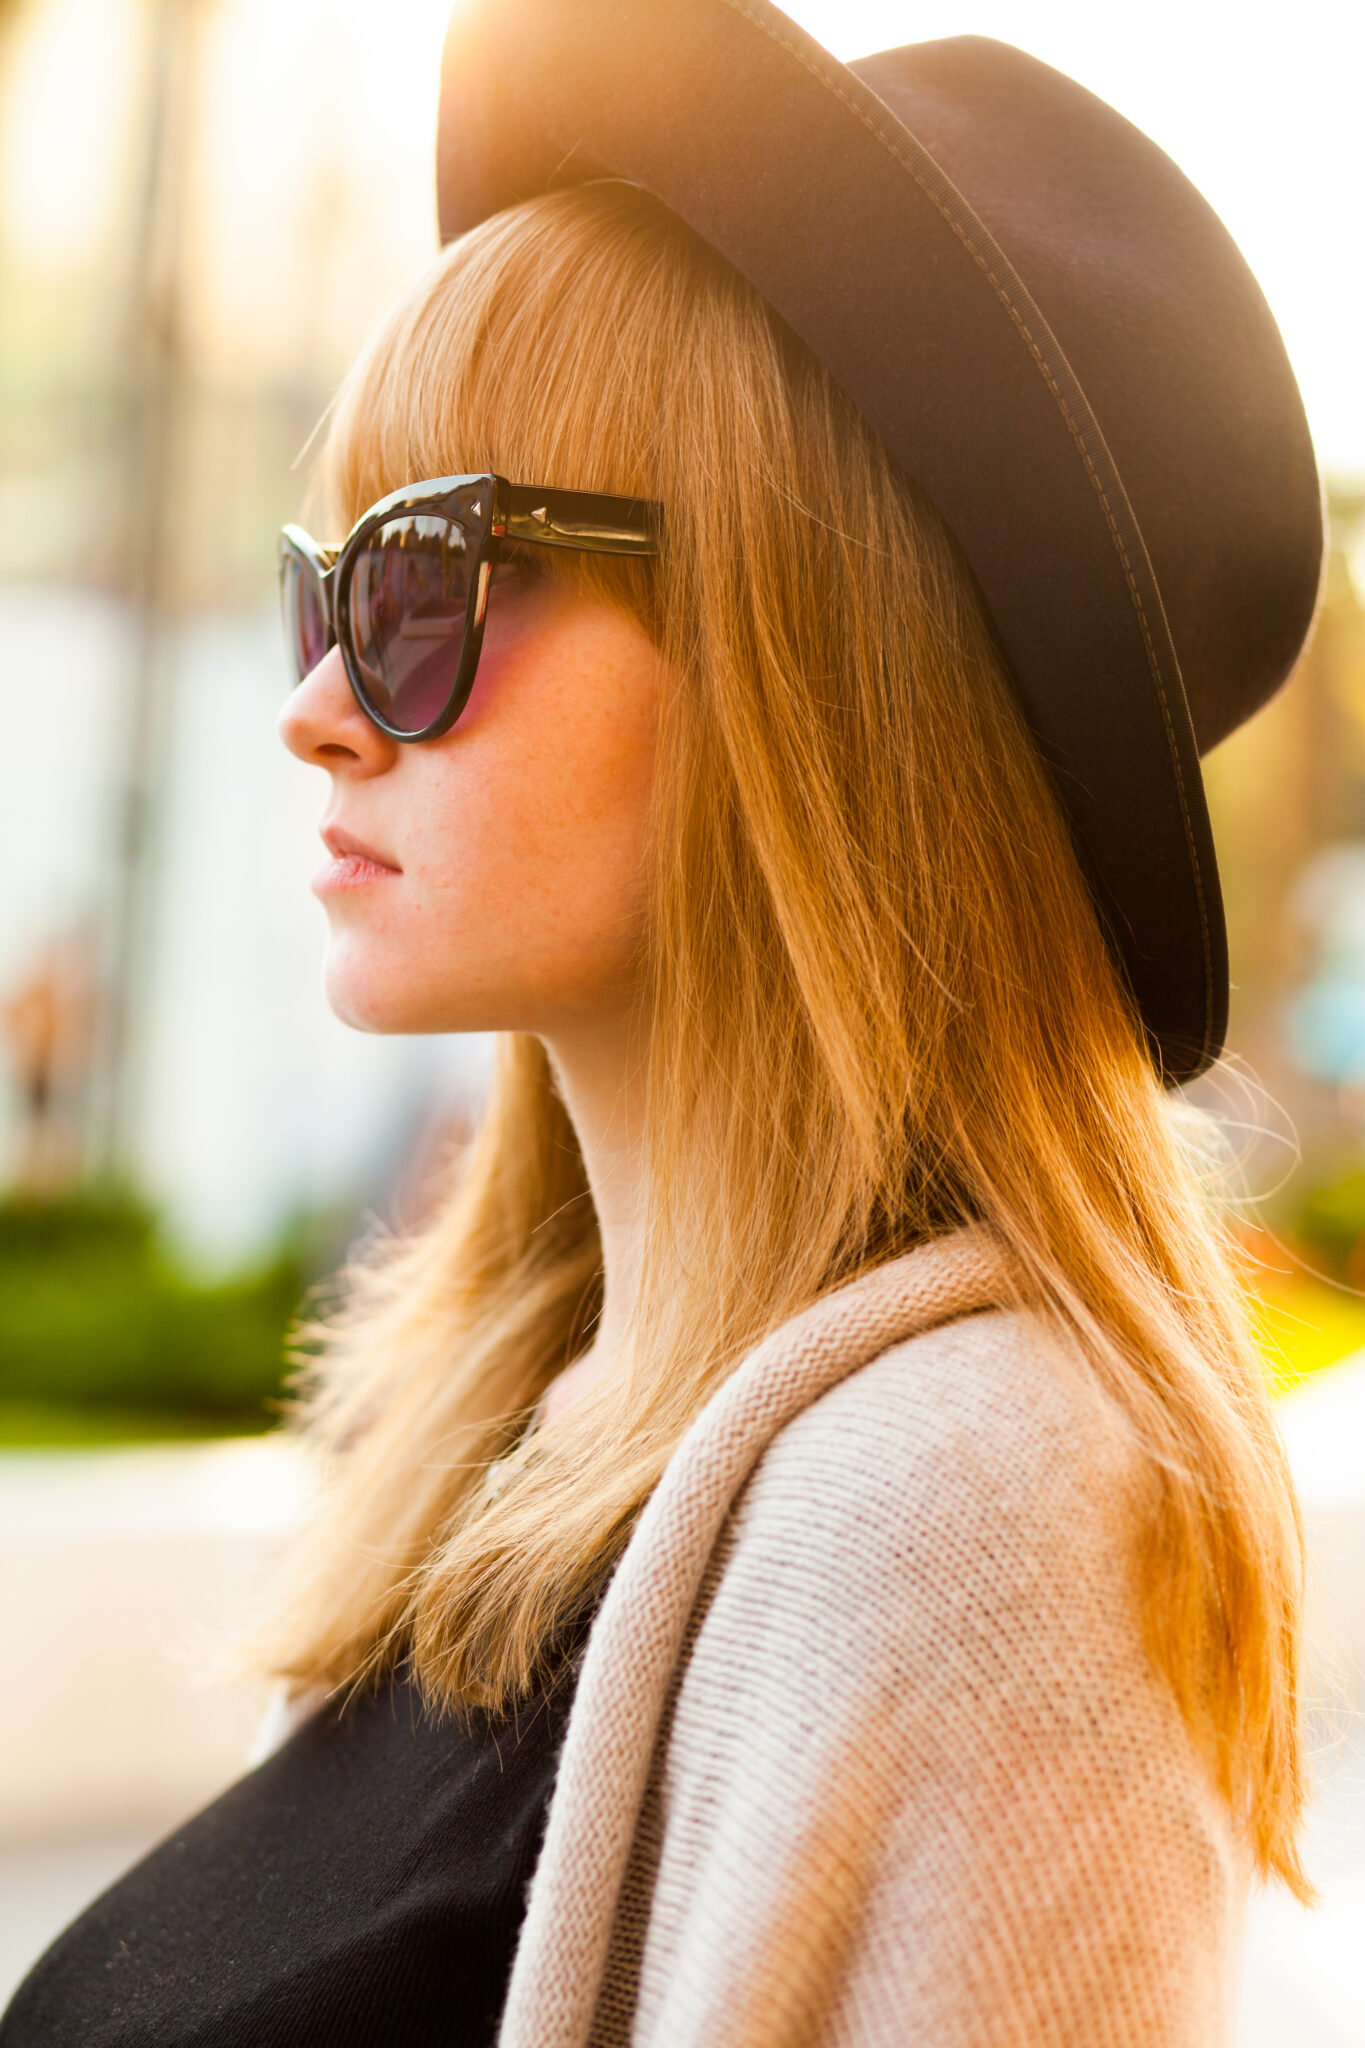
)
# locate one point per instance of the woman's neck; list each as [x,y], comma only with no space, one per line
[601,1081]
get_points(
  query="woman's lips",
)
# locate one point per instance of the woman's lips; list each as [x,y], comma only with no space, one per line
[350,871]
[352,866]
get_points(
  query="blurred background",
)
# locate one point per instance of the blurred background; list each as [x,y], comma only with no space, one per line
[203,205]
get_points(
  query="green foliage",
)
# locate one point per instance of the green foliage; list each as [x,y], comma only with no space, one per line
[64,1425]
[94,1318]
[1331,1223]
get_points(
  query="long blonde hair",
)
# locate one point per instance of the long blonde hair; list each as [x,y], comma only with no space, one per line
[878,1004]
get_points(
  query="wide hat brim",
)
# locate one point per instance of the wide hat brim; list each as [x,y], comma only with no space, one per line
[1047,327]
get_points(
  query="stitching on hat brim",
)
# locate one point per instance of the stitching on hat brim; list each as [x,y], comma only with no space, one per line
[873,117]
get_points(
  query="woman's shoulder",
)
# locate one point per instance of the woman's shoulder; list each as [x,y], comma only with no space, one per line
[975,1470]
[921,1662]
[991,1412]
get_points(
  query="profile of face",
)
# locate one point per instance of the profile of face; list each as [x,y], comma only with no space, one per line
[492,879]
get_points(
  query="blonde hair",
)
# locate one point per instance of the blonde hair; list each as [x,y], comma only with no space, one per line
[878,1003]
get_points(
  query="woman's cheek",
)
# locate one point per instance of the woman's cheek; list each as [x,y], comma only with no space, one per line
[522,836]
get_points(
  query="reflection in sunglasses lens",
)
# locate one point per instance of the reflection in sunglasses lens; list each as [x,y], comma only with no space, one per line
[408,592]
[305,621]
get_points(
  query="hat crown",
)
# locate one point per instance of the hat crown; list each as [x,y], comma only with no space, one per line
[1169,335]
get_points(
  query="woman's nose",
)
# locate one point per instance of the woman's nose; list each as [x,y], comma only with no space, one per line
[322,723]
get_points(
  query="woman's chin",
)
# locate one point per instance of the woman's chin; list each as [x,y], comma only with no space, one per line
[369,996]
[360,1016]
[369,1001]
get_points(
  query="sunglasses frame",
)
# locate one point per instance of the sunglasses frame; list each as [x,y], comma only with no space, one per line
[590,521]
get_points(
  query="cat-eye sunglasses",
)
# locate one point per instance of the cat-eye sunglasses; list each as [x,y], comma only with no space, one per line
[406,593]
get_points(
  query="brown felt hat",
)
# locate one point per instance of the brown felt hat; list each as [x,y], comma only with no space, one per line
[1049,329]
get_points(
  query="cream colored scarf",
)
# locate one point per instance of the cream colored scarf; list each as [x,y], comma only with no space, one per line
[865,1747]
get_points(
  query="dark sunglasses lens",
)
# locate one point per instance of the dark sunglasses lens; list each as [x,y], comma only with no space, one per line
[305,620]
[409,589]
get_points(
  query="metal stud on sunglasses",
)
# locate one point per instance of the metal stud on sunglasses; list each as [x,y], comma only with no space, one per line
[406,593]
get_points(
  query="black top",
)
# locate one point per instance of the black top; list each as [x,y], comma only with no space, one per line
[364,1886]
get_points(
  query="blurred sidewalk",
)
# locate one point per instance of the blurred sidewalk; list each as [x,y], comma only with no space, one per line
[121,1571]
[124,1574]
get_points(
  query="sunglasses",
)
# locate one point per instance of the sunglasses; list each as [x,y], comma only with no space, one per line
[406,593]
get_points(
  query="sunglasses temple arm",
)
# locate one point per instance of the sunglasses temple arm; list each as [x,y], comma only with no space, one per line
[578,519]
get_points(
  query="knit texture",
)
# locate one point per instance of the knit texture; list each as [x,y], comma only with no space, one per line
[866,1747]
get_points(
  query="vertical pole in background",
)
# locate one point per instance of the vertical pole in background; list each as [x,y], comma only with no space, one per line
[145,508]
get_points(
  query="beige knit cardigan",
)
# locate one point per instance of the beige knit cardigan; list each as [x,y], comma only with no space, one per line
[865,1748]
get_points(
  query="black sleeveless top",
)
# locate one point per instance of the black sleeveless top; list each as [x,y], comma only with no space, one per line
[364,1886]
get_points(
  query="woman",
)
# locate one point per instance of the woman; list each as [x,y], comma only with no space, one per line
[824,1403]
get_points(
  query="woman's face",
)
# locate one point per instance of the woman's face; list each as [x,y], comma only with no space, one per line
[492,879]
